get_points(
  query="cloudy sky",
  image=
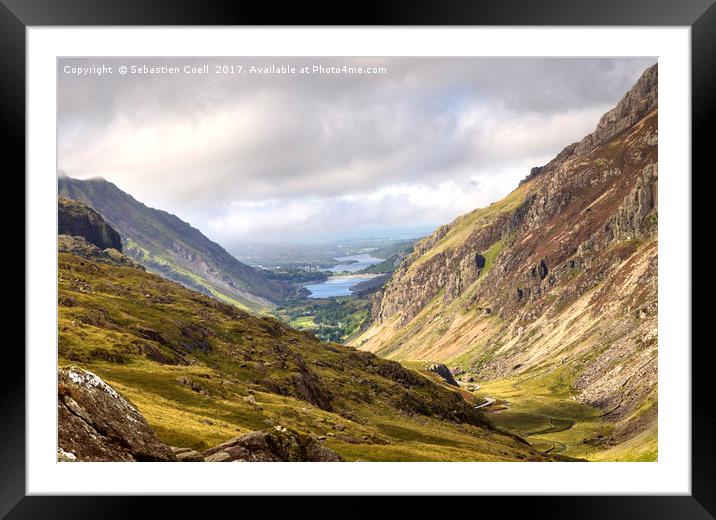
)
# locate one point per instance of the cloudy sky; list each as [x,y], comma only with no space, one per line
[322,156]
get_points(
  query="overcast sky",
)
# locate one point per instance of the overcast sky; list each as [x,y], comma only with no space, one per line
[258,157]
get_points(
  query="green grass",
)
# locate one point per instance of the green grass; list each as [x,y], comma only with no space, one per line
[491,254]
[304,323]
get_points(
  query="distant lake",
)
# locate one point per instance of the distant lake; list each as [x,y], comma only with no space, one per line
[335,286]
[361,262]
[340,285]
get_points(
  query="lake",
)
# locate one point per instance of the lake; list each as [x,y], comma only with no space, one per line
[335,286]
[340,285]
[360,262]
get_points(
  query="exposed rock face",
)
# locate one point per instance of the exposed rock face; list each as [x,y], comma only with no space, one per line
[77,219]
[570,271]
[275,445]
[95,423]
[443,372]
[77,245]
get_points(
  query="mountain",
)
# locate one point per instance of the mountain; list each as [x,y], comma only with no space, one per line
[151,370]
[166,245]
[549,295]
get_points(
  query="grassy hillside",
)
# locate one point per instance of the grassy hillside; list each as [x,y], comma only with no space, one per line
[166,245]
[201,372]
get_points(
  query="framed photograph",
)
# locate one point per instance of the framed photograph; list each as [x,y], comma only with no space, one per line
[421,252]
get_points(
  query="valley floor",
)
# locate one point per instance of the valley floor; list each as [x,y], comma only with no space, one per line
[555,423]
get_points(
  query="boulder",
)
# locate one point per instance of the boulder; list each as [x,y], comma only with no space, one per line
[187,455]
[443,372]
[219,456]
[277,444]
[95,423]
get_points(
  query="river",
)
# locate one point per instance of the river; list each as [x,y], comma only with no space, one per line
[339,285]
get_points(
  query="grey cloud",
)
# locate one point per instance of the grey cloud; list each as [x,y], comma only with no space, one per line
[195,145]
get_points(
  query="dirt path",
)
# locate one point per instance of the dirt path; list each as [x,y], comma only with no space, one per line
[555,424]
[566,424]
[557,447]
[488,402]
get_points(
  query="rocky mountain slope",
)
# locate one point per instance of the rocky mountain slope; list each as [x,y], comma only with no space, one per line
[166,245]
[217,383]
[555,283]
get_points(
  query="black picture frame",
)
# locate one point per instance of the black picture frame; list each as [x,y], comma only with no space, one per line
[700,15]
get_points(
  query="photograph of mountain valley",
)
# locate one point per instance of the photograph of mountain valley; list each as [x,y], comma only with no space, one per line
[357,259]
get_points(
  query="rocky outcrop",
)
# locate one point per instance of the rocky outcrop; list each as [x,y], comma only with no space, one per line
[75,218]
[443,372]
[636,217]
[635,105]
[95,423]
[77,245]
[534,172]
[275,445]
[187,455]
